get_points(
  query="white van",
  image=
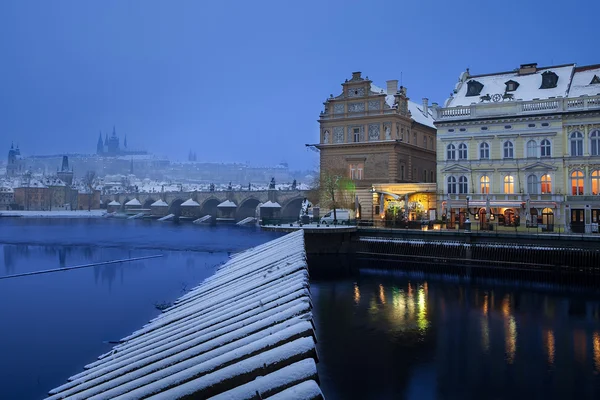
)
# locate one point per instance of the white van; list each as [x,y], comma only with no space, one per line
[343,216]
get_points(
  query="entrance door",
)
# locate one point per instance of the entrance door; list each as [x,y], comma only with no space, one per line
[547,220]
[577,220]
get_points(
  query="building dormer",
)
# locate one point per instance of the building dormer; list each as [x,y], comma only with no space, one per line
[595,80]
[474,88]
[511,86]
[549,80]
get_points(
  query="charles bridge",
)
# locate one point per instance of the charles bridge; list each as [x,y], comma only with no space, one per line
[246,200]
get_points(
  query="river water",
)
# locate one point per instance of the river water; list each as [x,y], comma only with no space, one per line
[381,335]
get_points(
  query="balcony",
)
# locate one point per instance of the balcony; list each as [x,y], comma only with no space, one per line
[511,108]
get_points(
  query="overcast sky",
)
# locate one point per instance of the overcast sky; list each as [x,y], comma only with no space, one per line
[245,80]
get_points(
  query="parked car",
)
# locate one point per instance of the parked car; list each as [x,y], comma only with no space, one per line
[343,216]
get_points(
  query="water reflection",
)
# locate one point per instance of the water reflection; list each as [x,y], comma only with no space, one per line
[415,338]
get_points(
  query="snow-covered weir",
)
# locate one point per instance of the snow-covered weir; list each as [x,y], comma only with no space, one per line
[244,333]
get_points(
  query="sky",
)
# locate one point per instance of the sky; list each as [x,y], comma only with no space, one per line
[244,81]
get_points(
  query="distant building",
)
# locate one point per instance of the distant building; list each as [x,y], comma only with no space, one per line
[64,174]
[111,146]
[15,164]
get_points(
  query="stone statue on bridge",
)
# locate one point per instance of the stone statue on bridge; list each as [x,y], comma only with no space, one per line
[272,184]
[212,187]
[305,206]
[229,187]
[294,185]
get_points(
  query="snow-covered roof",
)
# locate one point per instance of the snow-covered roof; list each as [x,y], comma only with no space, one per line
[159,203]
[416,110]
[227,204]
[190,203]
[582,81]
[528,89]
[114,203]
[270,204]
[53,181]
[245,332]
[133,202]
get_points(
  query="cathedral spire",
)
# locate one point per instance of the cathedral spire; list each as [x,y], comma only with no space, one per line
[125,141]
[114,131]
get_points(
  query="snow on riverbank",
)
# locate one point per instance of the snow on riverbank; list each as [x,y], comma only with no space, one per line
[54,214]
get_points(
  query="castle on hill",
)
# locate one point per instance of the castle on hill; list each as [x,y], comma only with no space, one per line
[111,146]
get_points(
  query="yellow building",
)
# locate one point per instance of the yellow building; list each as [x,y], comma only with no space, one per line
[505,151]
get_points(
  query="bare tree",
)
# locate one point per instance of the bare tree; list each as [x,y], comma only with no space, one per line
[88,180]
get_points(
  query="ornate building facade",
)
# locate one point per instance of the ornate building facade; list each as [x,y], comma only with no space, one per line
[518,147]
[377,136]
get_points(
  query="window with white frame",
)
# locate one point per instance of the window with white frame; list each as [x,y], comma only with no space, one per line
[595,143]
[577,183]
[532,184]
[545,148]
[509,184]
[531,149]
[509,149]
[484,151]
[576,143]
[451,152]
[356,133]
[451,185]
[463,185]
[546,184]
[356,171]
[485,184]
[595,182]
[462,151]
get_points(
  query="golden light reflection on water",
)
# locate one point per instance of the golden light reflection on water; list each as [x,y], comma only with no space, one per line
[410,302]
[422,322]
[579,345]
[549,343]
[485,326]
[596,346]
[381,294]
[356,294]
[510,331]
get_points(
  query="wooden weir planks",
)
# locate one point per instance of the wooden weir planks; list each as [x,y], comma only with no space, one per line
[244,333]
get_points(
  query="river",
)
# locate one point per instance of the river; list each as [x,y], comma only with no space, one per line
[381,335]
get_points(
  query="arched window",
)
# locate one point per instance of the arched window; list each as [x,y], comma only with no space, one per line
[577,183]
[546,184]
[545,148]
[485,184]
[595,143]
[451,152]
[576,142]
[595,177]
[451,185]
[463,185]
[509,184]
[509,150]
[431,176]
[424,175]
[462,151]
[531,149]
[484,151]
[431,143]
[532,184]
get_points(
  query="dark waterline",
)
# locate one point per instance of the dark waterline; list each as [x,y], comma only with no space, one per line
[52,325]
[383,336]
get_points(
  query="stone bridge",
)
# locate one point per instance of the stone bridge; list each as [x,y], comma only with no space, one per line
[247,200]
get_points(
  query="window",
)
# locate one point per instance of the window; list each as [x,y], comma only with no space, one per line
[595,143]
[531,149]
[424,175]
[431,176]
[415,138]
[576,142]
[532,184]
[546,184]
[484,151]
[577,183]
[545,124]
[531,125]
[511,86]
[451,185]
[549,80]
[484,128]
[425,141]
[473,88]
[431,143]
[595,182]
[595,80]
[451,152]
[402,172]
[485,184]
[450,130]
[545,148]
[507,126]
[509,184]
[462,151]
[508,150]
[463,186]
[356,171]
[463,129]
[356,132]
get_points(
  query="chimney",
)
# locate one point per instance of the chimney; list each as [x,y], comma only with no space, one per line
[392,87]
[526,69]
[356,75]
[425,106]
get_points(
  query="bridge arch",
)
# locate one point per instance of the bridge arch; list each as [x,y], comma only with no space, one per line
[209,207]
[292,208]
[175,207]
[247,208]
[148,202]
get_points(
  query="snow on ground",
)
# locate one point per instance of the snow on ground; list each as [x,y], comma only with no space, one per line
[54,214]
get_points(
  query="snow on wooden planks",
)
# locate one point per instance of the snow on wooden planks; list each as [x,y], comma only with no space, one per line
[244,333]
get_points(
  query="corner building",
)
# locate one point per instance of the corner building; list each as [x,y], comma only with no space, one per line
[523,146]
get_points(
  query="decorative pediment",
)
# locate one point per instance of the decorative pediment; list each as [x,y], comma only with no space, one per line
[539,166]
[456,168]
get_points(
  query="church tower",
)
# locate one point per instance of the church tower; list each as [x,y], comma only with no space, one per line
[100,145]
